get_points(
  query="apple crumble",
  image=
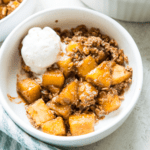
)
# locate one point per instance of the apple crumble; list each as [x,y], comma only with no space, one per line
[86,83]
[8,6]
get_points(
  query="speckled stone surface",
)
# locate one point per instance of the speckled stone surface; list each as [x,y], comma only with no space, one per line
[134,134]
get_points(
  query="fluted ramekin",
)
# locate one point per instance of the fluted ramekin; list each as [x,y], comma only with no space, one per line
[127,10]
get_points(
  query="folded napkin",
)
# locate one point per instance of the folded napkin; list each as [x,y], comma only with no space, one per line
[11,129]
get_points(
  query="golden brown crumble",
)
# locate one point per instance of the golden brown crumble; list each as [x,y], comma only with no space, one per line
[87,83]
[8,6]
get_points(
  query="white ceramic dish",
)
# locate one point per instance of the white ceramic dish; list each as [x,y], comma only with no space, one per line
[67,18]
[127,10]
[8,23]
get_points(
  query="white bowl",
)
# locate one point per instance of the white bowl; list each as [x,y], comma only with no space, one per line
[127,10]
[8,23]
[68,18]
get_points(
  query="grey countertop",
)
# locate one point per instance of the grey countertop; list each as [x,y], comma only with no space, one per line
[134,134]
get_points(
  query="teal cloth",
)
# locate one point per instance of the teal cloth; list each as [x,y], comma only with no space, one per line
[7,143]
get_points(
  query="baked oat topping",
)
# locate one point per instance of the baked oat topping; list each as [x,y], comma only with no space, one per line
[84,85]
[8,6]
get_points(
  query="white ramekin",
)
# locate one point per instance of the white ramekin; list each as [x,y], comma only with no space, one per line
[68,18]
[127,10]
[8,23]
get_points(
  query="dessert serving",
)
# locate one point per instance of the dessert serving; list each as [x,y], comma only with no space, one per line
[8,6]
[71,79]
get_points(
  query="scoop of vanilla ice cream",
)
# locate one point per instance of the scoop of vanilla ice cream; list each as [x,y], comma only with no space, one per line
[40,49]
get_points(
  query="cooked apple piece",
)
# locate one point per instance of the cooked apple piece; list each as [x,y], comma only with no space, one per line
[119,74]
[65,63]
[100,76]
[12,6]
[109,102]
[72,46]
[81,124]
[53,77]
[86,92]
[55,127]
[86,65]
[6,1]
[53,89]
[62,110]
[3,11]
[29,89]
[68,95]
[39,112]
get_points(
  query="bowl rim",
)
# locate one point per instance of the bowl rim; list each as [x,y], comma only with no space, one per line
[36,133]
[14,12]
